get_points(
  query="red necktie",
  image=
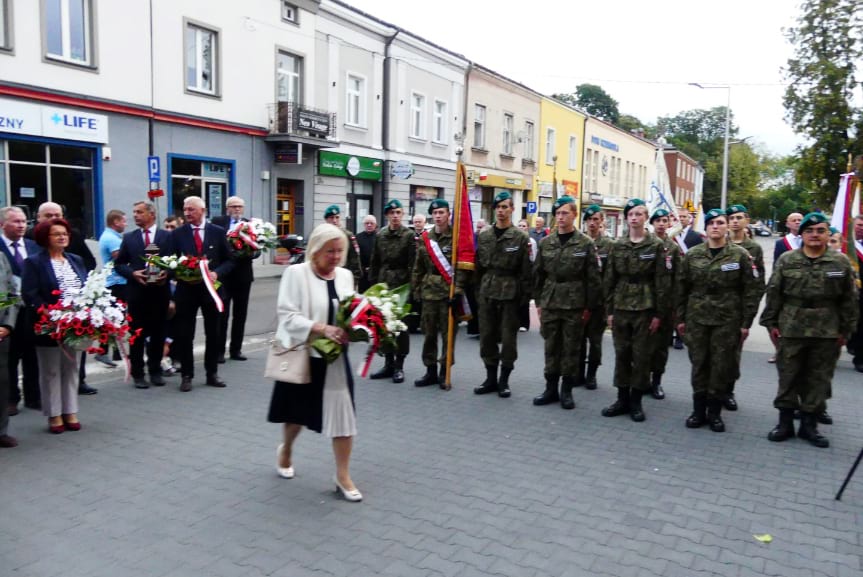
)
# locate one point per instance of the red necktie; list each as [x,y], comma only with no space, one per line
[146,237]
[199,243]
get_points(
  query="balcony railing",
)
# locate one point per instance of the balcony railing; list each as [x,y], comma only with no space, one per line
[297,119]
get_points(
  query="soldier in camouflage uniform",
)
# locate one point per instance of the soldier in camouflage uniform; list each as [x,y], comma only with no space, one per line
[392,263]
[637,298]
[333,215]
[595,328]
[738,222]
[717,299]
[503,273]
[811,310]
[567,285]
[431,287]
[660,220]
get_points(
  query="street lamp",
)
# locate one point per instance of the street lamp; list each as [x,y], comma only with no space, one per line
[724,197]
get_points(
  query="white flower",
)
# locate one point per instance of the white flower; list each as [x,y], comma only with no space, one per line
[172,264]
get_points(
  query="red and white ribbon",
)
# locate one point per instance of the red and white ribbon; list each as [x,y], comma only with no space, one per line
[441,263]
[363,306]
[248,237]
[208,282]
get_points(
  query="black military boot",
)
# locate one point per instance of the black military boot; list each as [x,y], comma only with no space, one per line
[387,370]
[428,379]
[550,395]
[566,385]
[823,417]
[620,406]
[785,429]
[730,403]
[636,412]
[581,378]
[590,380]
[714,415]
[489,385]
[399,370]
[699,409]
[442,376]
[809,430]
[503,383]
[656,386]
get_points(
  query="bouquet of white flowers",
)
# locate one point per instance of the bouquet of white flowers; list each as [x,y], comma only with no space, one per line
[247,237]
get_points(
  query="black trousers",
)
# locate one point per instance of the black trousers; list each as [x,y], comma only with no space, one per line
[22,348]
[148,309]
[189,298]
[236,299]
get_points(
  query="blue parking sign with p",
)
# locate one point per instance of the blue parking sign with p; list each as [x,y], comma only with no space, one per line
[531,207]
[154,168]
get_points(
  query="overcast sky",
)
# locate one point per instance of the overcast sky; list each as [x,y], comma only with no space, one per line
[644,54]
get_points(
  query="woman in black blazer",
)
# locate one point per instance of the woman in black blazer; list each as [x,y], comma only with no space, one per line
[44,274]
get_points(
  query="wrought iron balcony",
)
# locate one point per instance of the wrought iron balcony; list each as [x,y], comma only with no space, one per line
[299,120]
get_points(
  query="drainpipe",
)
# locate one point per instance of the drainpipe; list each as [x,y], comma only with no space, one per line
[385,115]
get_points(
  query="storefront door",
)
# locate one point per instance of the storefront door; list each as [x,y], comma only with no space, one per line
[215,197]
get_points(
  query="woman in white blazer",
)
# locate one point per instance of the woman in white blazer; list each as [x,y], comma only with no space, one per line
[308,300]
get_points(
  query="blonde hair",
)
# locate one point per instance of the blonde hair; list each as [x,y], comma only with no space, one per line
[323,234]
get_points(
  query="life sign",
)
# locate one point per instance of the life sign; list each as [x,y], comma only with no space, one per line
[531,207]
[154,168]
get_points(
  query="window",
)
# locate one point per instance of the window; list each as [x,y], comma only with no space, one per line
[550,135]
[288,74]
[595,171]
[68,32]
[355,105]
[418,113]
[479,126]
[528,141]
[290,13]
[202,49]
[439,128]
[508,122]
[573,152]
[5,24]
[588,156]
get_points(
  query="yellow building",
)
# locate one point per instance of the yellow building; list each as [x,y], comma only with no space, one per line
[561,145]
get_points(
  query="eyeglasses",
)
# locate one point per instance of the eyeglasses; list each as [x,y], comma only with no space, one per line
[59,234]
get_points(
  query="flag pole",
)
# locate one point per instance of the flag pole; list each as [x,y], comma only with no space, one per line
[456,222]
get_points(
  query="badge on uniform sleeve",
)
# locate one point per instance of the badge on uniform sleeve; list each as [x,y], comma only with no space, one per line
[668,261]
[835,273]
[730,266]
[599,262]
[755,272]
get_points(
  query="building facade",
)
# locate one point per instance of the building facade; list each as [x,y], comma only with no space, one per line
[686,177]
[561,152]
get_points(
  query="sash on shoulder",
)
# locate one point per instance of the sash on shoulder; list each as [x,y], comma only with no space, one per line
[437,257]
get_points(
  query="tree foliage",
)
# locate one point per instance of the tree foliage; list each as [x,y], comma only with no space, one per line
[819,98]
[594,100]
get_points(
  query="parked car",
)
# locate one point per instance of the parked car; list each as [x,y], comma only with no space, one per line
[760,230]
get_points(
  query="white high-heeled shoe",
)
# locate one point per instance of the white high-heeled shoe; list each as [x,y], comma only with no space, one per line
[353,495]
[283,472]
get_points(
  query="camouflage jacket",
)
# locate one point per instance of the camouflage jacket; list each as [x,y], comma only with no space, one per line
[353,259]
[567,277]
[811,297]
[503,268]
[757,253]
[717,290]
[603,246]
[638,277]
[393,257]
[426,281]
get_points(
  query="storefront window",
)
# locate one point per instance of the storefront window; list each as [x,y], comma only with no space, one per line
[422,197]
[193,177]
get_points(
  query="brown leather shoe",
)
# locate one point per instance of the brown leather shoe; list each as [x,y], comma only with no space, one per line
[7,442]
[215,381]
[186,385]
[13,409]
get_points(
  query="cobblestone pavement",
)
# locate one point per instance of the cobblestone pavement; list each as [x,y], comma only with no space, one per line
[161,483]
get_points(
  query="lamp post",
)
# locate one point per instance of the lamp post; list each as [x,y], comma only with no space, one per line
[724,197]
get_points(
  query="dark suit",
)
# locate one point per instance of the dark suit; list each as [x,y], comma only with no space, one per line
[692,238]
[148,303]
[189,297]
[39,282]
[366,242]
[237,287]
[779,249]
[21,346]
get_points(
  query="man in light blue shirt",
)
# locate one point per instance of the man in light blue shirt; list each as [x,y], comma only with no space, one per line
[109,246]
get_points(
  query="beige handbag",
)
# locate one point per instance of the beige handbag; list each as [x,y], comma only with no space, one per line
[288,365]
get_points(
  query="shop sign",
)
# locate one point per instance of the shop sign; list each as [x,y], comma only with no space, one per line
[604,143]
[215,170]
[403,169]
[570,187]
[288,153]
[613,201]
[360,167]
[312,121]
[52,121]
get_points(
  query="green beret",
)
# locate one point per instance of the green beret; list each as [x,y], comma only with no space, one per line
[713,213]
[565,199]
[500,197]
[591,210]
[735,208]
[392,204]
[660,212]
[810,219]
[632,204]
[332,210]
[438,203]
[833,230]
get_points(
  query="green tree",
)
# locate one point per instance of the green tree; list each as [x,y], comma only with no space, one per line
[594,100]
[818,100]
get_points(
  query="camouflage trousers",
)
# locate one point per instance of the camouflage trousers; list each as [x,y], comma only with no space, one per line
[498,324]
[633,347]
[562,330]
[713,352]
[805,368]
[662,341]
[593,336]
[435,324]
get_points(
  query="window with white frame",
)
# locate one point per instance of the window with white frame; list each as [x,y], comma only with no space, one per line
[588,157]
[202,52]
[290,13]
[289,71]
[550,135]
[418,113]
[508,122]
[528,141]
[5,25]
[439,128]
[68,30]
[573,152]
[355,101]
[479,126]
[595,171]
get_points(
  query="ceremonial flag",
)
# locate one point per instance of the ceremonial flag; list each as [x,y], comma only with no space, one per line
[844,210]
[660,194]
[463,227]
